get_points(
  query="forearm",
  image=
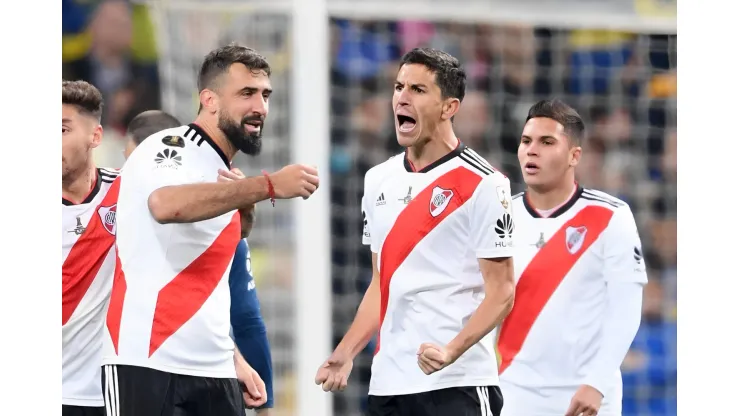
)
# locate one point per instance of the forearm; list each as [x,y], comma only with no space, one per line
[252,341]
[490,313]
[201,201]
[366,321]
[621,322]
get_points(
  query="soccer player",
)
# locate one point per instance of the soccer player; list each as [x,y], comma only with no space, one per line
[248,327]
[580,274]
[438,223]
[89,198]
[169,351]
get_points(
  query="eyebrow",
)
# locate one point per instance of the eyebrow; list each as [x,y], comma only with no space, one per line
[254,90]
[413,85]
[66,120]
[524,136]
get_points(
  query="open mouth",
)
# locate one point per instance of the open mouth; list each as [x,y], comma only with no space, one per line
[253,125]
[405,123]
[531,168]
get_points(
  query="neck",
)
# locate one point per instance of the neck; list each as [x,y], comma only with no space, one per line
[551,198]
[210,126]
[428,151]
[76,189]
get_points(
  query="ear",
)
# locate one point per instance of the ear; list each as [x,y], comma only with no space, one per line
[97,136]
[575,156]
[450,107]
[209,100]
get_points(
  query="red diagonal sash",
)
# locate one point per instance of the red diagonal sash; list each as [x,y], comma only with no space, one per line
[86,256]
[415,222]
[543,275]
[185,294]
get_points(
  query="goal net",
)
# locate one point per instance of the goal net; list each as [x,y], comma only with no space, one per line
[614,60]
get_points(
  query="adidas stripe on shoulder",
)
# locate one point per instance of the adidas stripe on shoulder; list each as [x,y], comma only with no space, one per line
[598,196]
[476,161]
[192,135]
[519,195]
[108,175]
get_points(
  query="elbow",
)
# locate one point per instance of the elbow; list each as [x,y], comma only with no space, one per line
[158,208]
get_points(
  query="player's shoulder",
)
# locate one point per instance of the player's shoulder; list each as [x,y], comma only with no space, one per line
[474,162]
[603,199]
[176,137]
[108,175]
[383,169]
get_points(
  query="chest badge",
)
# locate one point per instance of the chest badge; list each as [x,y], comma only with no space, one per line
[407,198]
[541,242]
[79,228]
[440,199]
[108,217]
[574,237]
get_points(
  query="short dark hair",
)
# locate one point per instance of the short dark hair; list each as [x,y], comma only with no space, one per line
[449,74]
[83,95]
[218,61]
[564,114]
[149,122]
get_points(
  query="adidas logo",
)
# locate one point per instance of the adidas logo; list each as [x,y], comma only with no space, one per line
[380,200]
[168,155]
[505,226]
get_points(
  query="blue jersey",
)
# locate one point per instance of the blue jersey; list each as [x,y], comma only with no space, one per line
[248,327]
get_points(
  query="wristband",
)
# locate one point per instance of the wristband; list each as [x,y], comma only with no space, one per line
[270,188]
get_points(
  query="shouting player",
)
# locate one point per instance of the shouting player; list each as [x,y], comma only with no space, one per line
[88,235]
[169,351]
[438,223]
[248,327]
[580,274]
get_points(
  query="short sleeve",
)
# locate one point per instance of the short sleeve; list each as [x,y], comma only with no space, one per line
[367,220]
[491,222]
[623,257]
[160,165]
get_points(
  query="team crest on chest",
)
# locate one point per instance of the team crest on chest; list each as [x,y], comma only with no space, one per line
[574,237]
[440,199]
[108,218]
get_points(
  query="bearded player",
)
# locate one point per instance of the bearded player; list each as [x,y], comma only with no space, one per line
[247,325]
[88,234]
[169,350]
[580,275]
[438,225]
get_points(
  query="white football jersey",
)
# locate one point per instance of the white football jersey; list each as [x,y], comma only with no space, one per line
[88,259]
[563,263]
[429,229]
[169,308]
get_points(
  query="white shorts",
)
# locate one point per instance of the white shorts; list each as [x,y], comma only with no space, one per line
[551,401]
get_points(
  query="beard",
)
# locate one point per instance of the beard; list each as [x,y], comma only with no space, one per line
[249,143]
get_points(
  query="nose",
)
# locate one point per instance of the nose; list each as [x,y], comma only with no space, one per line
[532,150]
[404,97]
[260,106]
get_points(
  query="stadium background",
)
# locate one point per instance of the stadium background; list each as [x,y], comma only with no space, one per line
[614,60]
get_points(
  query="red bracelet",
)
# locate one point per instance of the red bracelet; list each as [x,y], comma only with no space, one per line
[270,188]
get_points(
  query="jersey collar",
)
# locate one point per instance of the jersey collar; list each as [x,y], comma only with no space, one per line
[446,158]
[91,195]
[211,143]
[560,211]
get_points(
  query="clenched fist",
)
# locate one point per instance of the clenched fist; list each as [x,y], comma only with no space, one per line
[295,180]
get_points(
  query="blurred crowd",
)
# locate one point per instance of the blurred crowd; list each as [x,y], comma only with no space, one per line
[623,84]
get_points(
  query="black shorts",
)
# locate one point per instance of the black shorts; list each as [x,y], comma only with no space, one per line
[82,411]
[457,401]
[140,391]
